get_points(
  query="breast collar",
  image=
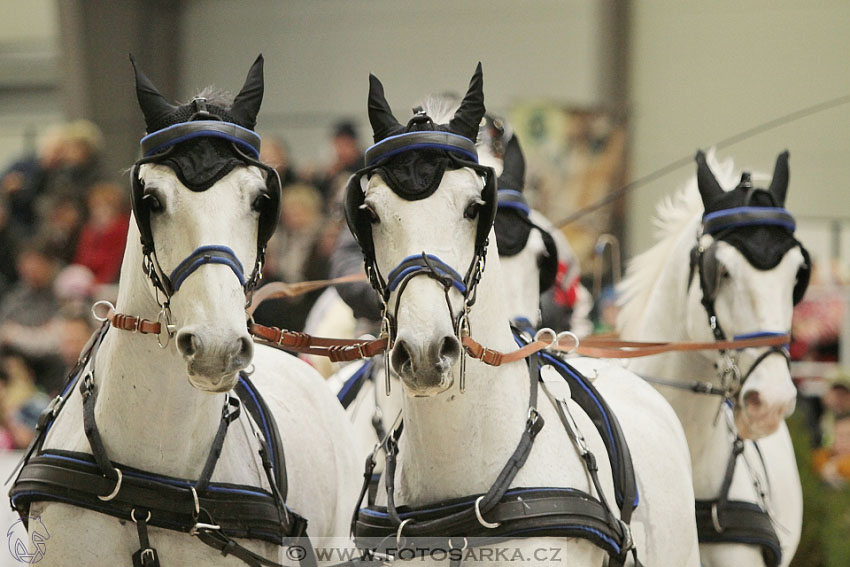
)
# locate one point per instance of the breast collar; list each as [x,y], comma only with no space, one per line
[215,512]
[514,512]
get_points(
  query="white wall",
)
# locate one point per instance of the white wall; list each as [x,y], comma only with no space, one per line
[704,71]
[319,54]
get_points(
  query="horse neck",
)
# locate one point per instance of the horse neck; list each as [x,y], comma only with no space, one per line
[448,436]
[664,319]
[148,414]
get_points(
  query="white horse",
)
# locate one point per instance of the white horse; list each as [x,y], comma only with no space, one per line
[159,409]
[456,440]
[661,303]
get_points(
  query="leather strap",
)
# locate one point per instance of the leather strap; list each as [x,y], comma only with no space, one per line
[741,523]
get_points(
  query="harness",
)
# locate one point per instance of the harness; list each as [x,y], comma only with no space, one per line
[504,513]
[215,512]
[721,520]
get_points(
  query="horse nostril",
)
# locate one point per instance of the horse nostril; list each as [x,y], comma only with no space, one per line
[188,343]
[244,351]
[449,350]
[752,400]
[401,357]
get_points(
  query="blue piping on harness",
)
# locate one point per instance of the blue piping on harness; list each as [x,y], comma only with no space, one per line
[352,386]
[417,264]
[252,149]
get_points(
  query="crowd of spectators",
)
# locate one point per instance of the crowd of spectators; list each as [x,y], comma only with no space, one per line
[63,230]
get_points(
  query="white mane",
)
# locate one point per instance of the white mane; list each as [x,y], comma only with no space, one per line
[673,214]
[441,108]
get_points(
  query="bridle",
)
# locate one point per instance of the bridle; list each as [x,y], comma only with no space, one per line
[463,154]
[704,266]
[156,147]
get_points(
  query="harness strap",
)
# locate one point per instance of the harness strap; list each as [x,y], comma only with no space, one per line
[146,556]
[227,417]
[520,512]
[741,523]
[227,546]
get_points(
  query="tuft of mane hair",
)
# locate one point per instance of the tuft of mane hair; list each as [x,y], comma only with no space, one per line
[674,214]
[441,108]
[215,96]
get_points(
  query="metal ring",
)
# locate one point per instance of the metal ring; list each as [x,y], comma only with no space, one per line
[133,516]
[197,504]
[481,520]
[570,334]
[465,544]
[546,330]
[398,533]
[102,302]
[164,320]
[716,520]
[114,493]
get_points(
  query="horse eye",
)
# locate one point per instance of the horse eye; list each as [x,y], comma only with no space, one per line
[373,216]
[260,202]
[152,202]
[472,209]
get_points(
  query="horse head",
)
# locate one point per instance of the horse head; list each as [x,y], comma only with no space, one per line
[205,208]
[748,271]
[424,206]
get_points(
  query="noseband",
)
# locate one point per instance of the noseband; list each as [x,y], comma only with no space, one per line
[703,263]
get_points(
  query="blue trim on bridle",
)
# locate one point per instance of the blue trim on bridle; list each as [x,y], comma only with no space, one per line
[759,220]
[266,431]
[419,146]
[205,133]
[416,263]
[208,254]
[514,200]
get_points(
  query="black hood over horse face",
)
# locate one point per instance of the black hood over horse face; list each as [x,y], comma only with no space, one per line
[751,219]
[416,175]
[764,245]
[200,162]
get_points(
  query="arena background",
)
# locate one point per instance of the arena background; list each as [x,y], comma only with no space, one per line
[676,74]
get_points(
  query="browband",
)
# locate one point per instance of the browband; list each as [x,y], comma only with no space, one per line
[395,145]
[161,139]
[512,199]
[747,216]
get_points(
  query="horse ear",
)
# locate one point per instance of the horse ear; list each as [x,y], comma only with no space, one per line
[467,118]
[381,117]
[709,189]
[513,169]
[153,105]
[779,184]
[247,103]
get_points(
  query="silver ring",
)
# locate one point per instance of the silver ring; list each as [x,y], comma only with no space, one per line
[102,302]
[197,504]
[481,520]
[543,331]
[114,493]
[570,334]
[398,533]
[133,516]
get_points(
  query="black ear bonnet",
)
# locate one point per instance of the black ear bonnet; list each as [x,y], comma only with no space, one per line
[513,225]
[412,159]
[751,219]
[202,143]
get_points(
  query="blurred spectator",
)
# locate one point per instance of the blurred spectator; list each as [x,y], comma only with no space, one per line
[21,402]
[348,158]
[61,221]
[80,164]
[833,464]
[275,153]
[301,222]
[102,239]
[8,248]
[28,179]
[26,310]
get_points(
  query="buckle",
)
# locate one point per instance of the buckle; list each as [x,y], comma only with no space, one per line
[200,526]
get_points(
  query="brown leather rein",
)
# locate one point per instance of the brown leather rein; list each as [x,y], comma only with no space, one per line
[344,350]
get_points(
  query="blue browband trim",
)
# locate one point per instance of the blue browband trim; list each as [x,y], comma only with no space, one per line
[415,263]
[184,131]
[395,145]
[748,216]
[210,254]
[512,199]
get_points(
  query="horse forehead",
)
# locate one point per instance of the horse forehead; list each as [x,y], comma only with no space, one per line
[235,183]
